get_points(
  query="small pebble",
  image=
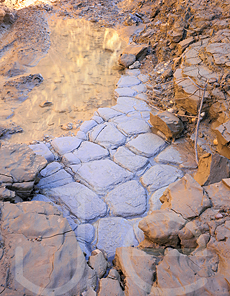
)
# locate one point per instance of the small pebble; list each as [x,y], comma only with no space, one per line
[219,216]
[45,104]
[215,142]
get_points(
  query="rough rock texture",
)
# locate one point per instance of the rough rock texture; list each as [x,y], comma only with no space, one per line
[185,197]
[169,124]
[98,262]
[19,168]
[223,137]
[108,174]
[179,153]
[41,251]
[179,274]
[162,227]
[219,194]
[126,60]
[114,232]
[159,176]
[127,199]
[80,200]
[138,269]
[146,145]
[212,169]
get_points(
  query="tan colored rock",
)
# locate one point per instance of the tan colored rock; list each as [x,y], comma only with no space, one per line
[41,251]
[223,138]
[138,269]
[139,50]
[219,194]
[127,59]
[183,275]
[185,197]
[6,194]
[169,124]
[162,227]
[98,262]
[222,248]
[212,169]
[19,168]
[111,287]
[184,44]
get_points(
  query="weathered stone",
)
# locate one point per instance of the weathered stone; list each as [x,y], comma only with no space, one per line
[140,88]
[87,125]
[93,134]
[6,194]
[57,179]
[127,81]
[98,262]
[20,165]
[81,135]
[185,197]
[123,108]
[179,153]
[223,137]
[139,50]
[179,274]
[85,232]
[169,124]
[90,151]
[50,169]
[64,145]
[184,44]
[133,72]
[138,269]
[219,194]
[146,145]
[135,103]
[137,231]
[81,201]
[162,227]
[133,126]
[114,232]
[159,176]
[111,287]
[125,92]
[70,158]
[127,199]
[126,60]
[110,137]
[108,113]
[212,169]
[43,150]
[128,160]
[102,175]
[143,78]
[98,119]
[35,233]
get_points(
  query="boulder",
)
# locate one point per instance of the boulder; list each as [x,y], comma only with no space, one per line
[185,197]
[138,269]
[41,251]
[219,194]
[169,124]
[126,60]
[162,227]
[98,262]
[212,169]
[19,168]
[139,50]
[179,274]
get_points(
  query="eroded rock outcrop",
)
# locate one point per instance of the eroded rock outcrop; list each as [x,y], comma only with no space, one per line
[41,253]
[19,168]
